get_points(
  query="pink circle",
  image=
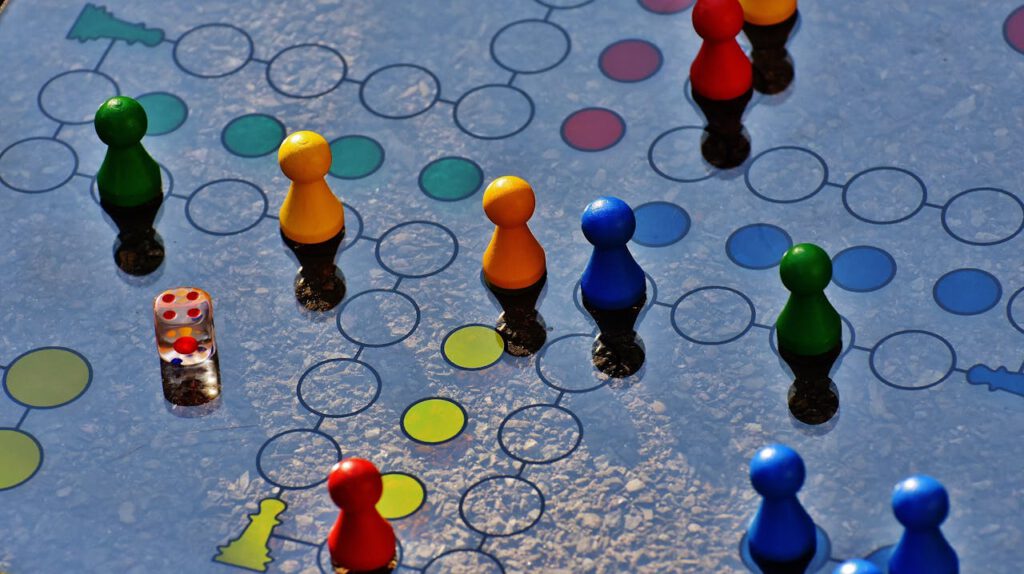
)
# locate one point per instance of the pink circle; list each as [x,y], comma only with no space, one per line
[630,60]
[1013,29]
[593,129]
[666,6]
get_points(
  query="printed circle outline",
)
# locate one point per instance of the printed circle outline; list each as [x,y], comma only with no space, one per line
[464,129]
[366,82]
[812,153]
[412,330]
[949,347]
[540,360]
[657,50]
[654,166]
[248,57]
[576,444]
[42,457]
[278,89]
[367,366]
[465,520]
[455,249]
[944,307]
[886,254]
[914,176]
[945,210]
[497,60]
[259,458]
[423,187]
[42,108]
[263,214]
[444,342]
[7,371]
[746,329]
[462,429]
[74,156]
[440,556]
[591,109]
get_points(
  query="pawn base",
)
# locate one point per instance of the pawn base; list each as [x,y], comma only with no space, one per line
[139,254]
[813,402]
[619,356]
[388,569]
[811,367]
[320,292]
[520,325]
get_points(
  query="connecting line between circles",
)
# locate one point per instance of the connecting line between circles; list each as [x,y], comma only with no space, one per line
[103,57]
[22,419]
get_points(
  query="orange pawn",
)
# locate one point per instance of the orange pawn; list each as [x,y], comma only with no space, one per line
[361,540]
[312,220]
[514,259]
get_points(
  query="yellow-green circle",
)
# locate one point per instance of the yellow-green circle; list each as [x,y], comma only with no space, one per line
[433,421]
[473,347]
[402,495]
[20,457]
[47,378]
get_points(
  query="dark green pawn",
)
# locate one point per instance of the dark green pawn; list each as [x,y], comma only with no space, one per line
[130,186]
[809,333]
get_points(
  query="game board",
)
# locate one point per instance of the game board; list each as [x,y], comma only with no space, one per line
[898,149]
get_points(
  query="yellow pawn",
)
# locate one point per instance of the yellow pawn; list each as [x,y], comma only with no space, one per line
[767,12]
[513,259]
[310,213]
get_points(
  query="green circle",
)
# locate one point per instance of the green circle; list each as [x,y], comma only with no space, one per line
[473,347]
[355,157]
[166,112]
[434,420]
[402,495]
[20,457]
[47,378]
[253,135]
[451,178]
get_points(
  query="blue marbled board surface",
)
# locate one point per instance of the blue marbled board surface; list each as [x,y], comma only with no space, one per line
[929,92]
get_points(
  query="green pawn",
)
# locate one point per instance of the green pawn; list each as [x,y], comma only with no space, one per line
[130,185]
[808,326]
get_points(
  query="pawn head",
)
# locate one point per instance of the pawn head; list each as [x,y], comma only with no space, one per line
[355,484]
[805,269]
[777,471]
[857,567]
[121,121]
[718,20]
[608,222]
[920,502]
[304,157]
[509,201]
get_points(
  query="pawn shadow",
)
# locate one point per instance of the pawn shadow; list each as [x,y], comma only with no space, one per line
[773,66]
[138,249]
[618,350]
[813,397]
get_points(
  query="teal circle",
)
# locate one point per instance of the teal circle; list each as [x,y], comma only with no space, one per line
[165,112]
[355,157]
[451,178]
[253,135]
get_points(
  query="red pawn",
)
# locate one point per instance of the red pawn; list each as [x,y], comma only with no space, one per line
[721,71]
[361,540]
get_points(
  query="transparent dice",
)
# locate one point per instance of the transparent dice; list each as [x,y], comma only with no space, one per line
[184,326]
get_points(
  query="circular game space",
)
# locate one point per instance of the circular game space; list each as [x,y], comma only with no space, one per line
[676,155]
[494,111]
[666,6]
[213,50]
[884,195]
[786,174]
[355,157]
[530,46]
[758,246]
[226,207]
[417,249]
[165,112]
[712,315]
[403,494]
[473,347]
[540,434]
[400,91]
[863,268]
[913,360]
[451,178]
[378,318]
[983,216]
[593,129]
[632,60]
[47,378]
[434,420]
[660,224]
[21,455]
[306,71]
[73,97]
[502,506]
[467,560]
[967,291]
[253,135]
[297,459]
[37,165]
[338,388]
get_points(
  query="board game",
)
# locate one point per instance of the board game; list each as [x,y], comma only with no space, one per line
[897,148]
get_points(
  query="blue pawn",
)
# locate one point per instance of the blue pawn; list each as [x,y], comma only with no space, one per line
[857,567]
[920,503]
[612,279]
[782,536]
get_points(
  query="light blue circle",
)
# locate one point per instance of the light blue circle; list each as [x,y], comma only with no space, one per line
[967,291]
[660,223]
[758,246]
[863,268]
